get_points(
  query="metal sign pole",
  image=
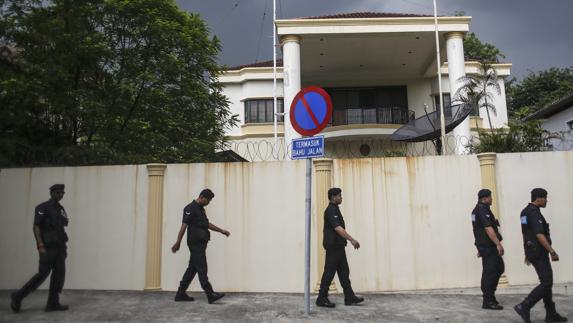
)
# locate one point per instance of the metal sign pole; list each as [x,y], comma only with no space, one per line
[307,238]
[311,101]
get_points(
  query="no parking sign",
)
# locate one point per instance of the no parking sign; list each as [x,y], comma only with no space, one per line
[310,111]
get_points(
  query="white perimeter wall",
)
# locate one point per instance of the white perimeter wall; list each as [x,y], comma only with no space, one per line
[261,204]
[107,207]
[411,215]
[517,175]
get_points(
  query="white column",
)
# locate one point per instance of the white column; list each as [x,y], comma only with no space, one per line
[291,81]
[456,69]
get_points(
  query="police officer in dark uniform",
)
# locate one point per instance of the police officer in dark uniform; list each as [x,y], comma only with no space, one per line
[488,243]
[537,245]
[334,242]
[197,225]
[50,218]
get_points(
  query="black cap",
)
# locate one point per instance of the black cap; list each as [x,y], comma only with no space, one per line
[334,191]
[207,193]
[484,193]
[538,193]
[57,187]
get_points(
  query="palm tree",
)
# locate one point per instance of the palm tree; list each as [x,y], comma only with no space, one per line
[477,89]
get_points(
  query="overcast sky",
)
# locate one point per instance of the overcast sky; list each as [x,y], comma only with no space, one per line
[533,34]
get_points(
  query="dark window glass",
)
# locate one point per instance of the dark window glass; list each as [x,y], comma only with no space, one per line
[261,110]
[447,104]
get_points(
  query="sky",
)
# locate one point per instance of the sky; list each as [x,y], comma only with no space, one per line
[533,34]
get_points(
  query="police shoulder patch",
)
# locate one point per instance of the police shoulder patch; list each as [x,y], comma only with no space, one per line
[524,219]
[473,217]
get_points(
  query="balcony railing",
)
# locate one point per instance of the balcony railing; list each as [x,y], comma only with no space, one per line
[394,115]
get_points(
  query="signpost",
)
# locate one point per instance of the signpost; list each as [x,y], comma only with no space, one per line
[310,113]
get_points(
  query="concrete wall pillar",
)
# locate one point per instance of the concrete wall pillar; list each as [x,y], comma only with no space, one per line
[488,178]
[323,182]
[291,81]
[489,181]
[154,226]
[457,69]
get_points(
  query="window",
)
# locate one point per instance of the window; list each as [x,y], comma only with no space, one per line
[447,104]
[261,110]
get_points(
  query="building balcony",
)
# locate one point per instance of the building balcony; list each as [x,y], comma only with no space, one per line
[367,122]
[394,115]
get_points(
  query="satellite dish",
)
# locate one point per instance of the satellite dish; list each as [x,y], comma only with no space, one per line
[427,127]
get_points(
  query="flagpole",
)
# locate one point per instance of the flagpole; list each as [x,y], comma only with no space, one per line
[439,72]
[275,112]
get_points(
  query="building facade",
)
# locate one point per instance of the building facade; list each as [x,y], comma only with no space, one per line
[380,71]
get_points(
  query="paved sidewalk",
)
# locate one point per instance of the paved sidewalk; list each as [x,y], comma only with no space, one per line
[427,306]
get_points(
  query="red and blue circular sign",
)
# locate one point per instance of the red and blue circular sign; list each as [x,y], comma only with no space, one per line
[310,111]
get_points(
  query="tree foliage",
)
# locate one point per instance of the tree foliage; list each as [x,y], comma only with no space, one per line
[479,89]
[106,82]
[538,89]
[518,137]
[475,49]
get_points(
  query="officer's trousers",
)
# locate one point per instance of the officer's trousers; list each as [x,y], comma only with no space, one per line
[336,263]
[544,290]
[197,265]
[54,261]
[492,269]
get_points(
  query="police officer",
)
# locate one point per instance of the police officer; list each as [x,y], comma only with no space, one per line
[50,218]
[197,225]
[334,242]
[537,245]
[488,243]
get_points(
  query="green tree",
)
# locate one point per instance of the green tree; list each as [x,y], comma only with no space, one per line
[518,137]
[477,90]
[109,81]
[538,89]
[475,49]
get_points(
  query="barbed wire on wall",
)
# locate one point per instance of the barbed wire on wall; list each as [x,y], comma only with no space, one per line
[269,150]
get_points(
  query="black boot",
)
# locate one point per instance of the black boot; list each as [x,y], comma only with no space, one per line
[181,296]
[212,297]
[353,300]
[54,304]
[56,307]
[15,303]
[491,305]
[522,309]
[323,301]
[551,314]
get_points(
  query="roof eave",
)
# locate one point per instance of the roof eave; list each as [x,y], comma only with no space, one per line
[371,21]
[554,108]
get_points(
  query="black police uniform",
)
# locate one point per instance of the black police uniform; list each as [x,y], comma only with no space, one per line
[335,261]
[51,218]
[533,223]
[198,236]
[492,263]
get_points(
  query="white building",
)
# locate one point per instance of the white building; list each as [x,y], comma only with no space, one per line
[379,69]
[558,120]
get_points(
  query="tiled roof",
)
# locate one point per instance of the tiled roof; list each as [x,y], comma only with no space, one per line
[354,15]
[259,64]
